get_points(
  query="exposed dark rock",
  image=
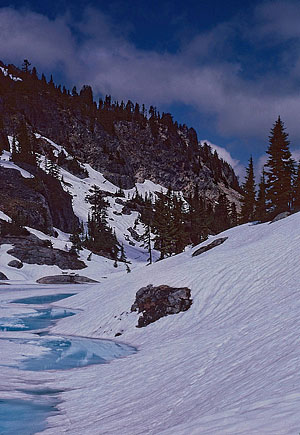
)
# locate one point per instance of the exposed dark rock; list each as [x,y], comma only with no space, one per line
[15,263]
[2,276]
[157,302]
[65,279]
[213,244]
[31,250]
[134,234]
[38,202]
[129,150]
[280,216]
[120,201]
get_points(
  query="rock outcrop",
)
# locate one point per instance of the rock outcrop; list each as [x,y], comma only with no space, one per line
[31,250]
[16,264]
[212,245]
[65,279]
[280,216]
[157,302]
[3,276]
[38,202]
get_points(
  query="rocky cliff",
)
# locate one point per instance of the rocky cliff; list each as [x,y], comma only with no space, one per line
[122,141]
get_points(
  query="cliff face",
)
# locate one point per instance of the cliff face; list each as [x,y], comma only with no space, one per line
[118,140]
[38,202]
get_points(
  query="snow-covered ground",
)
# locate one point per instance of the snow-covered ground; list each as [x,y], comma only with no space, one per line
[98,267]
[230,364]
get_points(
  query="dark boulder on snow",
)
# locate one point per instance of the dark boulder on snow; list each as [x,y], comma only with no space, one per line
[31,250]
[213,244]
[15,263]
[157,302]
[280,216]
[65,279]
[39,202]
[2,276]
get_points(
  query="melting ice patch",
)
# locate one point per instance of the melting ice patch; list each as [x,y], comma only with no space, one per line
[24,417]
[41,319]
[45,299]
[61,353]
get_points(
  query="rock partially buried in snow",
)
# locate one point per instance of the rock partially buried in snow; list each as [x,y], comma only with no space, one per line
[16,263]
[213,244]
[157,302]
[65,279]
[280,216]
[2,276]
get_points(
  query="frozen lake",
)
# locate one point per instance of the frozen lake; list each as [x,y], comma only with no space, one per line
[28,346]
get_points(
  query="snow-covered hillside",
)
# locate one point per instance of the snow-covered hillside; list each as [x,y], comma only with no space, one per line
[79,188]
[230,364]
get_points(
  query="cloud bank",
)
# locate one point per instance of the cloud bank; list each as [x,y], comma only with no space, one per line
[210,72]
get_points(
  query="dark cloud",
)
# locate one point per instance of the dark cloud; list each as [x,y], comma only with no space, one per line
[204,73]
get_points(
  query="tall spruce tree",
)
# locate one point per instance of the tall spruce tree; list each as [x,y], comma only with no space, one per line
[248,201]
[279,170]
[222,214]
[25,152]
[261,204]
[100,237]
[296,202]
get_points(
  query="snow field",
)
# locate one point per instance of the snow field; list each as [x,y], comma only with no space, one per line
[230,364]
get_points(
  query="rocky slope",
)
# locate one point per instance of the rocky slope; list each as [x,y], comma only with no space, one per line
[120,141]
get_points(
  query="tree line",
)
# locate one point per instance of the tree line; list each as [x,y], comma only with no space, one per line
[279,187]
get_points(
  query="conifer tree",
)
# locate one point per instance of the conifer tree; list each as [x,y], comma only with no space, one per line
[248,201]
[296,203]
[279,170]
[197,218]
[25,152]
[261,205]
[146,239]
[222,218]
[233,215]
[100,235]
[25,66]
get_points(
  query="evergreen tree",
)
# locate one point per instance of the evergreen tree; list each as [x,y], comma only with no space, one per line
[248,201]
[233,215]
[25,152]
[51,166]
[279,170]
[75,238]
[100,236]
[146,239]
[25,66]
[197,218]
[261,204]
[296,202]
[222,215]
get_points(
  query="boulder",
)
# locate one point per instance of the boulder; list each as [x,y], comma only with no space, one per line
[280,216]
[2,276]
[65,279]
[32,250]
[16,263]
[213,244]
[157,302]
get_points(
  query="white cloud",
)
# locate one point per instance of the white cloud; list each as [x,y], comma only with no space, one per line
[200,75]
[225,155]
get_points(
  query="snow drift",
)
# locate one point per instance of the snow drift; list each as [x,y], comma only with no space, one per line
[230,364]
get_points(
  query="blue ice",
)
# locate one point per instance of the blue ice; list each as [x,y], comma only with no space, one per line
[61,353]
[40,320]
[24,417]
[45,299]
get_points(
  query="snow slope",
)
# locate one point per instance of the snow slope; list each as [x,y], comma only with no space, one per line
[79,188]
[229,365]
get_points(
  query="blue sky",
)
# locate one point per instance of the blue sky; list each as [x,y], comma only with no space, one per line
[226,68]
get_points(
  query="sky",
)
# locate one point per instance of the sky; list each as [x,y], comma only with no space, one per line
[228,69]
